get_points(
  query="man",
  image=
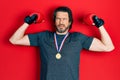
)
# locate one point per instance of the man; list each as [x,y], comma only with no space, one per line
[60,50]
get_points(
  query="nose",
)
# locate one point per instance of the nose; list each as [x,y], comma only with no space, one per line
[61,21]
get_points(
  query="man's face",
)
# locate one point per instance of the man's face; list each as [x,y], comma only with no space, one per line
[62,22]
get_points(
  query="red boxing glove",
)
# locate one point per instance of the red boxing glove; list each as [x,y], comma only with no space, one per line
[40,17]
[88,19]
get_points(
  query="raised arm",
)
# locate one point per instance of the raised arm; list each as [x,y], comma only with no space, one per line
[105,43]
[19,37]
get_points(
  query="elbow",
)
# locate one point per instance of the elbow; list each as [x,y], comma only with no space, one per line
[110,49]
[11,41]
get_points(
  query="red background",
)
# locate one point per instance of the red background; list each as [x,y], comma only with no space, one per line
[23,63]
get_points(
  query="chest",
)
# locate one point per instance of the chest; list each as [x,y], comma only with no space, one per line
[70,50]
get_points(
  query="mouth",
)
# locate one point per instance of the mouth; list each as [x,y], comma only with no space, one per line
[61,26]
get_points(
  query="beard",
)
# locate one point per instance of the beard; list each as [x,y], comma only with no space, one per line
[62,29]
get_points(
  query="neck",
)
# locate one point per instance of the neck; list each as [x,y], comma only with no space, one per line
[62,33]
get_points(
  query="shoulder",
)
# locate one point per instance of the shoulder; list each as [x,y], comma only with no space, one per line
[77,34]
[45,33]
[80,36]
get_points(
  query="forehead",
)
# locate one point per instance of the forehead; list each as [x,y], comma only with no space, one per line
[62,14]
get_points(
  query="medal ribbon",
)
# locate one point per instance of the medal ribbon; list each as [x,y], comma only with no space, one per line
[61,42]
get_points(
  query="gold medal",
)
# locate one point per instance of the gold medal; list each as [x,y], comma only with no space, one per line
[58,56]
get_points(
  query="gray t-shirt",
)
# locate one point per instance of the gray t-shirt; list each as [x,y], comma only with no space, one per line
[66,68]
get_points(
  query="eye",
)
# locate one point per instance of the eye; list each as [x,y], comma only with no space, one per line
[64,18]
[57,18]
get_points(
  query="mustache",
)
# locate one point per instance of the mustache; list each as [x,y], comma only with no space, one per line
[61,25]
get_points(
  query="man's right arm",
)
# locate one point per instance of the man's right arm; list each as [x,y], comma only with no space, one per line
[18,38]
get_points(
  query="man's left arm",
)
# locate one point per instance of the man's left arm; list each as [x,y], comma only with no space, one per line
[103,44]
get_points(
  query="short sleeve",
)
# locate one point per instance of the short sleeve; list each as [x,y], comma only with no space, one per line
[86,41]
[34,39]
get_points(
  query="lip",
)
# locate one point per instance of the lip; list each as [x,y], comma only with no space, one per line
[60,26]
